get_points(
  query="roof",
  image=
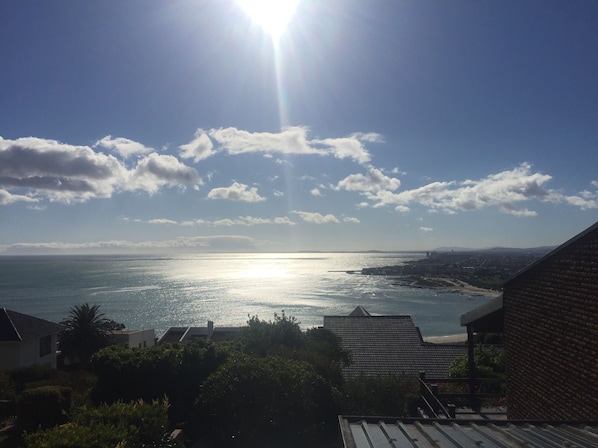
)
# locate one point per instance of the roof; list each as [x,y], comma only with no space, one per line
[390,345]
[367,432]
[16,327]
[487,318]
[550,254]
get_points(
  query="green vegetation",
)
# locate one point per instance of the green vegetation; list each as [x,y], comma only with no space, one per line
[272,385]
[87,331]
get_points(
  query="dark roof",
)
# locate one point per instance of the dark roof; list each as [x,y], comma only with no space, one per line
[15,327]
[563,246]
[487,318]
[390,345]
[368,432]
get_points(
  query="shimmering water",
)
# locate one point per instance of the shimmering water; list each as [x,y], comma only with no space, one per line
[159,292]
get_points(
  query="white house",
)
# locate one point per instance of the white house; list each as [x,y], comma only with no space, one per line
[26,340]
[135,338]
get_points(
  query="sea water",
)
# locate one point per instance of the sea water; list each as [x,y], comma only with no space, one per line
[160,292]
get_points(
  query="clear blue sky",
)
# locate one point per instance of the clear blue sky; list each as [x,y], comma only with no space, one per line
[158,125]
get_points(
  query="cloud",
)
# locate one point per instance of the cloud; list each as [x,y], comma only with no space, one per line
[66,173]
[316,218]
[278,193]
[186,244]
[236,192]
[157,170]
[9,198]
[200,148]
[502,190]
[315,192]
[162,221]
[293,140]
[122,146]
[373,180]
[351,219]
[594,183]
[426,229]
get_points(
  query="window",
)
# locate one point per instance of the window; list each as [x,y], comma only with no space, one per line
[45,345]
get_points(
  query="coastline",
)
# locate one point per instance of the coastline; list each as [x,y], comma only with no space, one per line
[446,283]
[450,339]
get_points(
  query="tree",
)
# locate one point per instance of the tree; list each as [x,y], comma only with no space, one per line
[87,331]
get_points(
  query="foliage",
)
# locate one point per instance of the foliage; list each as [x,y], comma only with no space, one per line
[43,407]
[7,386]
[37,376]
[489,363]
[119,424]
[281,336]
[176,371]
[87,331]
[395,395]
[251,400]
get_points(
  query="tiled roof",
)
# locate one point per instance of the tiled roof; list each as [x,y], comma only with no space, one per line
[383,345]
[16,327]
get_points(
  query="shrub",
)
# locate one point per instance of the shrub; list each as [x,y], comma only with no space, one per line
[251,400]
[43,407]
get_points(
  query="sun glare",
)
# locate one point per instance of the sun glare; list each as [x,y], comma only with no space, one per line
[272,15]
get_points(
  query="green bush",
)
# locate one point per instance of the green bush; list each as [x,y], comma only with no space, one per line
[251,400]
[43,407]
[131,425]
[489,363]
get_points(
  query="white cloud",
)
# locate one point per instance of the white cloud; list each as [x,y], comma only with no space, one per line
[157,170]
[315,192]
[316,218]
[293,140]
[200,148]
[207,243]
[278,193]
[351,219]
[60,172]
[162,221]
[594,183]
[426,229]
[122,146]
[502,190]
[9,198]
[373,180]
[236,192]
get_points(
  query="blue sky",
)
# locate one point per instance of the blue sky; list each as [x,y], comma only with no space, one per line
[390,125]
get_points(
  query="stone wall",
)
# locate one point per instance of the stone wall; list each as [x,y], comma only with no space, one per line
[551,335]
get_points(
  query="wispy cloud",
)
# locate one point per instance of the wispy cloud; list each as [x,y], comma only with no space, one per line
[226,222]
[504,190]
[9,198]
[316,218]
[236,192]
[426,229]
[122,146]
[200,148]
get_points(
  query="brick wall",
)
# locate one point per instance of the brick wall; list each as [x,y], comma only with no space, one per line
[551,335]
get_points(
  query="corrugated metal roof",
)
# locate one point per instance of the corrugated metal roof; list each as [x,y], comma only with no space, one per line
[370,432]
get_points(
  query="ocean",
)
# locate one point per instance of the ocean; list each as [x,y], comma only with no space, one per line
[158,292]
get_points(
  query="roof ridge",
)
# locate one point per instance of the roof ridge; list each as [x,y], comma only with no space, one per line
[12,324]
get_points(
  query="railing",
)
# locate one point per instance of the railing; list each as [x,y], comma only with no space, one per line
[432,402]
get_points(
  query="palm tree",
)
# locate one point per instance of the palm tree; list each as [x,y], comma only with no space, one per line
[86,332]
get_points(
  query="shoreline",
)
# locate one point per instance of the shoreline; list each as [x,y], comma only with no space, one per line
[446,283]
[460,338]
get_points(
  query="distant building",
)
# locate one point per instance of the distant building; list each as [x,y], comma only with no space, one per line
[26,340]
[180,335]
[389,345]
[135,338]
[549,316]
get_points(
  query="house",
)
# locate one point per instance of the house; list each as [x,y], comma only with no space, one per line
[135,338]
[185,334]
[548,313]
[389,345]
[26,340]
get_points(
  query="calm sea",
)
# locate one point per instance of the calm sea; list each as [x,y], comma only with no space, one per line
[159,292]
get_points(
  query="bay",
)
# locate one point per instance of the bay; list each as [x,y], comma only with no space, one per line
[159,292]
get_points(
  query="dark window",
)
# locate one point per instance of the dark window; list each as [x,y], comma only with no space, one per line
[45,345]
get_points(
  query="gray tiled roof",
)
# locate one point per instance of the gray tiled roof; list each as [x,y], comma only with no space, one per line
[20,327]
[383,345]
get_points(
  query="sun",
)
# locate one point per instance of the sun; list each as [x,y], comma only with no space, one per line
[272,15]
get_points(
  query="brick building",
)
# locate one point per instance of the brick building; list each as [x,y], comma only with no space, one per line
[551,334]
